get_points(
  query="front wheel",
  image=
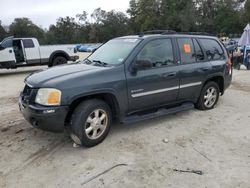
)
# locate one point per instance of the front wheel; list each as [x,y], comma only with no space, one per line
[59,60]
[90,122]
[209,96]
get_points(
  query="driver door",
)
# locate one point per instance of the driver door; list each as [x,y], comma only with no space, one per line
[7,55]
[156,85]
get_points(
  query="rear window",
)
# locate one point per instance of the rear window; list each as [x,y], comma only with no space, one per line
[213,49]
[28,43]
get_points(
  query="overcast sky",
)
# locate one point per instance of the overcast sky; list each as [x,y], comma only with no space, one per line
[45,12]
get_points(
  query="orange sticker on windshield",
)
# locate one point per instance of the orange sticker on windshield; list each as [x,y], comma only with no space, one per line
[187,48]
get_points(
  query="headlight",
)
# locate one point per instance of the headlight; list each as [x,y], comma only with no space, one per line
[48,97]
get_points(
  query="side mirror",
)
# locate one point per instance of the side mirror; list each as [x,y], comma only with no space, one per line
[93,50]
[141,65]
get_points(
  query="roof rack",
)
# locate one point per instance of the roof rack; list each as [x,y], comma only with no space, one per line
[157,32]
[165,32]
[196,33]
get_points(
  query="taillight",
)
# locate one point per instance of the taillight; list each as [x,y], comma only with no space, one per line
[229,66]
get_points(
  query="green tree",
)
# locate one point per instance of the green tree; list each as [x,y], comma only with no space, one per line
[222,16]
[144,15]
[3,33]
[246,12]
[24,27]
[179,15]
[107,25]
[162,14]
[63,32]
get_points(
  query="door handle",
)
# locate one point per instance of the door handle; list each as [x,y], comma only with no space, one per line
[216,66]
[169,74]
[205,69]
[10,51]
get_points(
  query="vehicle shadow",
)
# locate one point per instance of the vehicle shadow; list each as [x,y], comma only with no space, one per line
[119,128]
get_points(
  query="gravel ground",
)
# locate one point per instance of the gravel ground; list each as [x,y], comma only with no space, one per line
[216,142]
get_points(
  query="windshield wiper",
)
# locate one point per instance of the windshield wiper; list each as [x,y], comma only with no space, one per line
[100,63]
[87,61]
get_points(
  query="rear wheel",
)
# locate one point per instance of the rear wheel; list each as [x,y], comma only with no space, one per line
[209,96]
[248,66]
[59,60]
[90,122]
[238,66]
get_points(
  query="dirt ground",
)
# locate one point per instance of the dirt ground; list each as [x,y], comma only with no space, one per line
[216,142]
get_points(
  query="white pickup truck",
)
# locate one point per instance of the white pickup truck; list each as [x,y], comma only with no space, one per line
[17,52]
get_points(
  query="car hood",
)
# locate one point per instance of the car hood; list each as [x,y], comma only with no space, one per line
[59,74]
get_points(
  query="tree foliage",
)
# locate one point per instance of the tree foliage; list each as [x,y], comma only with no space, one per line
[213,16]
[24,27]
[3,33]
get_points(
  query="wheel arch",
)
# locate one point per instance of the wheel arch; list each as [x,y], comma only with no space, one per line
[107,97]
[217,79]
[57,54]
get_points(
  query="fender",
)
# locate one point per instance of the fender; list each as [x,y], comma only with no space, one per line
[221,76]
[119,107]
[58,52]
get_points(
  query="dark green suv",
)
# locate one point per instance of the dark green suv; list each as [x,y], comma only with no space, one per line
[127,79]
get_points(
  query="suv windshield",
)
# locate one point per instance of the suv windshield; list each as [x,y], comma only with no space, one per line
[114,51]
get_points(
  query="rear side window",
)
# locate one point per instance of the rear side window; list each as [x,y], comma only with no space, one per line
[186,50]
[198,51]
[28,43]
[213,49]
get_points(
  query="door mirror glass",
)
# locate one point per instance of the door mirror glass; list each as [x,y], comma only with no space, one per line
[93,50]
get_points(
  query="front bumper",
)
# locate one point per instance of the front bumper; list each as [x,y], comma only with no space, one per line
[7,64]
[46,118]
[74,58]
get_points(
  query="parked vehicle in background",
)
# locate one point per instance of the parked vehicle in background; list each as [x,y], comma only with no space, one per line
[234,41]
[93,47]
[17,52]
[128,79]
[87,47]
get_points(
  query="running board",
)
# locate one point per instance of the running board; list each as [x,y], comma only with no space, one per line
[160,112]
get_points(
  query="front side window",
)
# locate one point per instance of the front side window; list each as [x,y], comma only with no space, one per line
[187,52]
[159,52]
[7,43]
[213,49]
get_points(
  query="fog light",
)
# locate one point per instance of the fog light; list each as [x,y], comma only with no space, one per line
[48,111]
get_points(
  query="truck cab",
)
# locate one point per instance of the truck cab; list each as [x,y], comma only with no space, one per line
[16,52]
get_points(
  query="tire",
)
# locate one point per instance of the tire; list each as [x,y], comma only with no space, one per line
[210,90]
[59,60]
[85,128]
[248,66]
[238,66]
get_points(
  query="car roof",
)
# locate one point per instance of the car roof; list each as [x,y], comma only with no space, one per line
[147,36]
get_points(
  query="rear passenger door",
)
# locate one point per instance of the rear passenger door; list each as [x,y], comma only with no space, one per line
[193,68]
[32,52]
